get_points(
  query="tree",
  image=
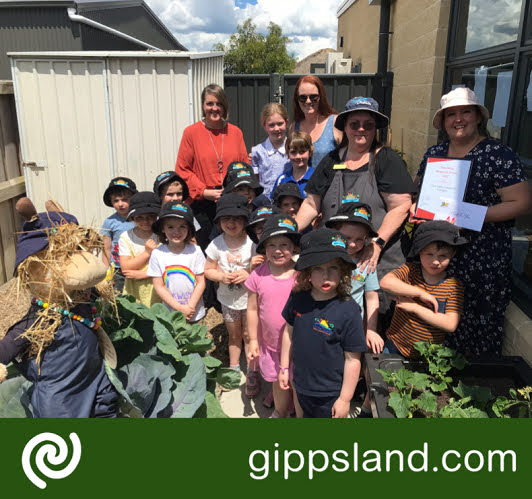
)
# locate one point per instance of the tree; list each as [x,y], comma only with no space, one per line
[249,52]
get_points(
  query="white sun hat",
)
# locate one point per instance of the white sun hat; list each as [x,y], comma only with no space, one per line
[461,96]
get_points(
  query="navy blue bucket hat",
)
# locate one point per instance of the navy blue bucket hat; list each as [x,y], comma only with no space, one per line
[173,209]
[167,178]
[366,104]
[34,235]
[279,225]
[355,213]
[117,184]
[321,246]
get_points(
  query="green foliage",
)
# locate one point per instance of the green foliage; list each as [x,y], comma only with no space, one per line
[15,398]
[249,52]
[520,398]
[163,369]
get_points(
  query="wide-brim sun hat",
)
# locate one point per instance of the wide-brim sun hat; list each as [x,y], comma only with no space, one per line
[366,104]
[233,168]
[435,231]
[352,212]
[461,96]
[279,225]
[239,178]
[257,216]
[142,203]
[321,246]
[167,178]
[116,184]
[231,205]
[174,209]
[286,189]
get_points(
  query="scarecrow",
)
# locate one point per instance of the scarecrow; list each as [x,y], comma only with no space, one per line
[58,343]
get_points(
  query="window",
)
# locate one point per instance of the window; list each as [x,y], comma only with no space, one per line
[482,24]
[492,85]
[341,41]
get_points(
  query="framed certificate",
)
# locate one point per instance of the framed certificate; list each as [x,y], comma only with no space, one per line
[442,194]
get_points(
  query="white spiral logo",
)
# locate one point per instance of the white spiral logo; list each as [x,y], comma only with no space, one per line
[50,451]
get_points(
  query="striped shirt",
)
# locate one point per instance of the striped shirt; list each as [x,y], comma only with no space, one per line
[407,328]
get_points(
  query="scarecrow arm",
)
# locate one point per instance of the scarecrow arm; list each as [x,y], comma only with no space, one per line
[12,345]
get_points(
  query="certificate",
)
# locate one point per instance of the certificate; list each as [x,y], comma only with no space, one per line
[442,194]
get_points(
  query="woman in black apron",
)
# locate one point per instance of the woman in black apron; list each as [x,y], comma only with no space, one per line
[362,170]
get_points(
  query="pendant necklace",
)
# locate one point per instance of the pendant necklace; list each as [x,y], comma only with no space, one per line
[220,163]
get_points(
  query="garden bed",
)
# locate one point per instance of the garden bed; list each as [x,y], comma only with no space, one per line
[499,376]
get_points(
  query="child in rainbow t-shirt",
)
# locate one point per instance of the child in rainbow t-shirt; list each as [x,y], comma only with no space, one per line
[177,266]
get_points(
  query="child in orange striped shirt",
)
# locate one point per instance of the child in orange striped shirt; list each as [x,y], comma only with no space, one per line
[429,303]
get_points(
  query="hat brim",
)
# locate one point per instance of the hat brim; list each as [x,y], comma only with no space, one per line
[432,237]
[437,120]
[231,211]
[143,210]
[295,237]
[345,219]
[156,226]
[381,120]
[250,182]
[168,180]
[307,260]
[109,191]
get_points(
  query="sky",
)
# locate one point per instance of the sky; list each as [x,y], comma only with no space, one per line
[200,24]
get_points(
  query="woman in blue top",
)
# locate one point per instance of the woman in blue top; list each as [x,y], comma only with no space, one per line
[313,114]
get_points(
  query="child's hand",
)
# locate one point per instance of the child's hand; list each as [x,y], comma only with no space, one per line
[227,277]
[374,341]
[187,311]
[239,276]
[134,274]
[340,409]
[253,350]
[149,246]
[407,304]
[257,260]
[284,380]
[429,300]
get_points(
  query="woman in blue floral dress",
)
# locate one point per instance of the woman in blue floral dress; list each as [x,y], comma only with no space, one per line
[497,180]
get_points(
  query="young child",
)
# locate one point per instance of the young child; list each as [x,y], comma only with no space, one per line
[324,336]
[429,304]
[169,186]
[136,246]
[269,159]
[241,179]
[254,228]
[300,149]
[353,220]
[269,286]
[177,266]
[117,196]
[228,263]
[288,198]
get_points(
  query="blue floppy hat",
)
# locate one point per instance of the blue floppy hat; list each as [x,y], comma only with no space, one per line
[366,104]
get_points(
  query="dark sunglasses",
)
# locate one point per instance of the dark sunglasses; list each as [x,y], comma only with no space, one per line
[366,125]
[303,98]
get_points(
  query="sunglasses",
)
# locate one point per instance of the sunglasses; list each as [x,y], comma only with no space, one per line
[303,98]
[366,125]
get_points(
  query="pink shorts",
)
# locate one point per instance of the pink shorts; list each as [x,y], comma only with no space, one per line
[269,363]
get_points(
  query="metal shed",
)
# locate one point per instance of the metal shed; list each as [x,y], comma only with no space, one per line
[85,117]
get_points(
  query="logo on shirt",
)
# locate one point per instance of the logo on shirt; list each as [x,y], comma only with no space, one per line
[350,198]
[288,224]
[358,277]
[323,326]
[443,203]
[338,241]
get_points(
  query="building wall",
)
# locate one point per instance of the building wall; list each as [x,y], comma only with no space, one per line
[359,27]
[417,59]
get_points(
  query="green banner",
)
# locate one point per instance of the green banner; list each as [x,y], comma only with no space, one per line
[236,458]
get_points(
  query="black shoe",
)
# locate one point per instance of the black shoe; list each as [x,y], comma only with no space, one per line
[363,414]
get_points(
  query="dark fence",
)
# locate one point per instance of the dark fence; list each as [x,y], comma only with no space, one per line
[247,94]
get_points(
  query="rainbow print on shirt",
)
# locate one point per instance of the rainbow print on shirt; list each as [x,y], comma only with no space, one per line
[174,270]
[323,326]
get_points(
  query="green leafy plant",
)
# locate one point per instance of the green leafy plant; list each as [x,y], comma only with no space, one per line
[163,367]
[520,398]
[460,409]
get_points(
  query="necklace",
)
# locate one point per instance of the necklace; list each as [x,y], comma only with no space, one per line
[94,324]
[220,163]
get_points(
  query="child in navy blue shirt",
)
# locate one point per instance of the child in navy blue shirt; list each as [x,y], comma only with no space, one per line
[324,336]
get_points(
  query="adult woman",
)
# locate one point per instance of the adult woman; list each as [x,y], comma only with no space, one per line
[497,181]
[313,114]
[362,170]
[206,148]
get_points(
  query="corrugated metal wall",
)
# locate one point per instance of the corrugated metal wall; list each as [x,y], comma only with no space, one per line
[61,109]
[35,28]
[91,119]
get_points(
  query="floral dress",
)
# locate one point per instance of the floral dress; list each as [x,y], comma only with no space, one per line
[484,266]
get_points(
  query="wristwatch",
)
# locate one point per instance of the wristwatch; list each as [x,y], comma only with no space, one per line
[380,241]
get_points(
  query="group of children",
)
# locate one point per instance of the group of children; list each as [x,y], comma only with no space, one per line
[298,303]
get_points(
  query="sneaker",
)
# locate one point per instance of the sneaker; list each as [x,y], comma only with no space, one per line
[268,400]
[252,384]
[364,414]
[275,415]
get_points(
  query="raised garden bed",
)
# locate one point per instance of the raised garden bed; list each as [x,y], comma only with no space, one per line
[502,377]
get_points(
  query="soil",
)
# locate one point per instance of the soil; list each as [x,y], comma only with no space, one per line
[217,331]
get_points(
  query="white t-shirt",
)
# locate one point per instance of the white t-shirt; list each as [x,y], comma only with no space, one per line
[179,271]
[235,297]
[132,245]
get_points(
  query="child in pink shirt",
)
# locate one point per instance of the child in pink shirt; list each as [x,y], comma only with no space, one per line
[269,287]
